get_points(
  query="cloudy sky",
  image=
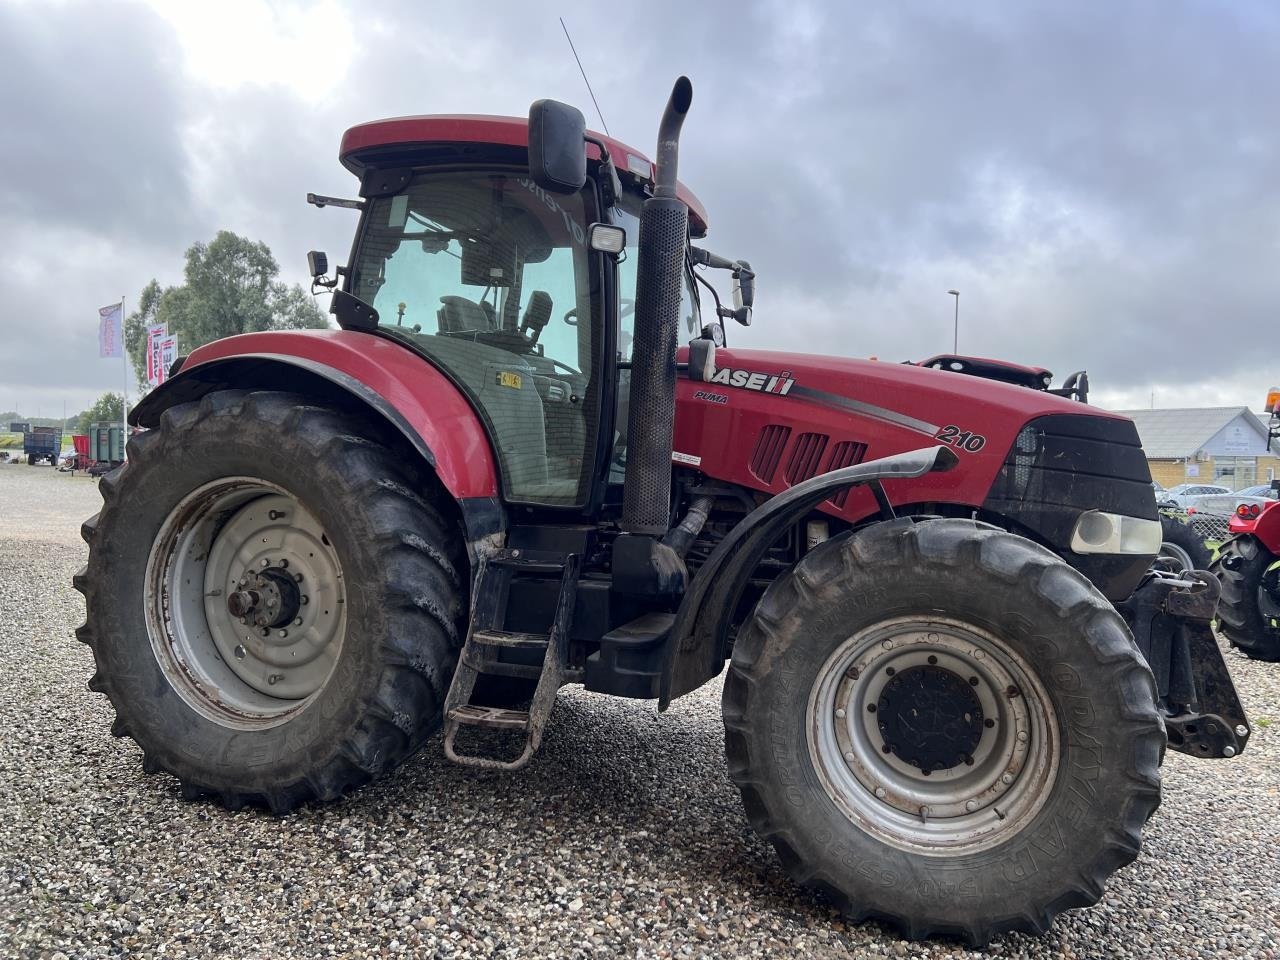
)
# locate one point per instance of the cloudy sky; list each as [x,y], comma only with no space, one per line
[1101,181]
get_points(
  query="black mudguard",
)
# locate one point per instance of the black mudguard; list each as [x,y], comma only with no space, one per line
[696,651]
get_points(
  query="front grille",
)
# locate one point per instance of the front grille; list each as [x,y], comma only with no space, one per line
[805,457]
[768,451]
[845,454]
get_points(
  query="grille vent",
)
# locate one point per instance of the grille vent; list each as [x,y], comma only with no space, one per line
[806,455]
[768,451]
[845,454]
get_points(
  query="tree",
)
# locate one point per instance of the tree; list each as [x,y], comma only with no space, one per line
[108,407]
[231,286]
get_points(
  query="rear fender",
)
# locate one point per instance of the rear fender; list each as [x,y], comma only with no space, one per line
[430,413]
[1267,528]
[698,636]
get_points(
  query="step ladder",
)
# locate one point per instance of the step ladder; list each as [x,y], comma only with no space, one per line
[486,639]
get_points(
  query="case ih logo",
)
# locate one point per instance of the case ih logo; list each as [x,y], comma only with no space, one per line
[764,382]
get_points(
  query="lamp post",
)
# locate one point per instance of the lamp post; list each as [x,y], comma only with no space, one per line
[955,343]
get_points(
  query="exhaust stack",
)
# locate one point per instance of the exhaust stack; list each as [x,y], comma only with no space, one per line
[664,228]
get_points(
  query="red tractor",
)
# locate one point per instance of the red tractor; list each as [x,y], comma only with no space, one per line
[1248,565]
[952,668]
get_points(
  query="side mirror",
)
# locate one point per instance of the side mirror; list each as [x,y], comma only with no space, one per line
[557,150]
[744,292]
[744,286]
[702,359]
[317,264]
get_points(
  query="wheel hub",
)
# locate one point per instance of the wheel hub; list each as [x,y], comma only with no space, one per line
[266,599]
[930,718]
[247,606]
[932,734]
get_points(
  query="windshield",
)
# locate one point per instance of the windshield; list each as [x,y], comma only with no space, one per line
[489,277]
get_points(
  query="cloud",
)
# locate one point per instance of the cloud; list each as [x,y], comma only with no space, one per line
[1098,180]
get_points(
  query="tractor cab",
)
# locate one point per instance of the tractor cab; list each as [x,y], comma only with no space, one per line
[523,297]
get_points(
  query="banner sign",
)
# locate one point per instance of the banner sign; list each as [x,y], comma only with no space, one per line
[111,331]
[168,353]
[155,334]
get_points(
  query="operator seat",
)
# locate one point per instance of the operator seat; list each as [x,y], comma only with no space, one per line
[458,314]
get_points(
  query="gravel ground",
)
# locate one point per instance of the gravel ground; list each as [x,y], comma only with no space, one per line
[623,838]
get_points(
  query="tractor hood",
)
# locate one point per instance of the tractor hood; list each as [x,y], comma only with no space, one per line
[1030,460]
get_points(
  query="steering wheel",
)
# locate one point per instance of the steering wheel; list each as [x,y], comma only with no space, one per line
[571,317]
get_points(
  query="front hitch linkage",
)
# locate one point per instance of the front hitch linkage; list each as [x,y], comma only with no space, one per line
[1171,618]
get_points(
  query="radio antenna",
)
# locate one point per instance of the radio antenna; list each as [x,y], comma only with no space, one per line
[584,77]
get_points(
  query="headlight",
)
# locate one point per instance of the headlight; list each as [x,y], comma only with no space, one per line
[1098,532]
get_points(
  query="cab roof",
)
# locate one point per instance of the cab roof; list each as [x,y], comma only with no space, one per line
[503,131]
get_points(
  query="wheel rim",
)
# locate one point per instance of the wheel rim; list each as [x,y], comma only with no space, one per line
[910,694]
[245,603]
[1180,557]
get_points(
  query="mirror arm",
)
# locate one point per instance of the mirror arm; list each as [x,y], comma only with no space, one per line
[610,183]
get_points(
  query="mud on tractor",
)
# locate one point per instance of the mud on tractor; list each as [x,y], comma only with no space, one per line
[952,668]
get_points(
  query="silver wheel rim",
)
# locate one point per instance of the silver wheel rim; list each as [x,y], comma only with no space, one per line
[1172,551]
[993,783]
[245,603]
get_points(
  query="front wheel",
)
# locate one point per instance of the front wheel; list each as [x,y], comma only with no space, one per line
[1249,609]
[942,725]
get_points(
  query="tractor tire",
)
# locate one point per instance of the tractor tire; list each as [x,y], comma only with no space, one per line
[941,725]
[31,460]
[1246,608]
[1183,545]
[275,600]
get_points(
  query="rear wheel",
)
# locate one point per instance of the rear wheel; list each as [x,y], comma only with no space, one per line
[274,600]
[1182,546]
[941,725]
[1249,608]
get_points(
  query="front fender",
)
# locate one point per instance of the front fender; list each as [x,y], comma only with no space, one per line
[411,395]
[696,648]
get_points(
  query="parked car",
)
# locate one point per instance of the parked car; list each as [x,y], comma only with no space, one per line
[1180,496]
[1264,490]
[1209,515]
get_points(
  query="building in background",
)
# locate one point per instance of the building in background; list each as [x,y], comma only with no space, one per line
[1219,445]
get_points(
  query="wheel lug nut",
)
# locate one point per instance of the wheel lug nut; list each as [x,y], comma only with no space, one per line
[1022,736]
[297,578]
[932,660]
[973,681]
[978,655]
[971,805]
[988,723]
[852,673]
[840,713]
[887,645]
[266,632]
[244,620]
[266,562]
[239,651]
[849,756]
[880,792]
[297,622]
[1242,730]
[283,634]
[1007,779]
[284,562]
[304,600]
[275,678]
[1011,692]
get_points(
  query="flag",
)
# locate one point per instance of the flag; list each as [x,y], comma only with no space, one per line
[168,353]
[155,334]
[111,330]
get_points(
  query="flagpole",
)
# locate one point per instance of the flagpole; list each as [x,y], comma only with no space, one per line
[124,397]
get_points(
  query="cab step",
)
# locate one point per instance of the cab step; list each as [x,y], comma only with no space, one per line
[485,636]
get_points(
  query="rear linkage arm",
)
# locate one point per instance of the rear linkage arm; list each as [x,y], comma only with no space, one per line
[1171,621]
